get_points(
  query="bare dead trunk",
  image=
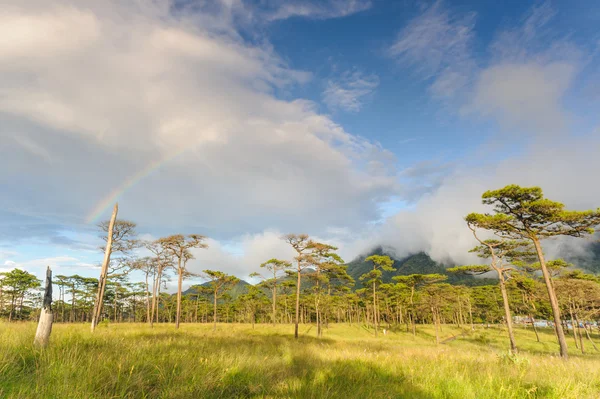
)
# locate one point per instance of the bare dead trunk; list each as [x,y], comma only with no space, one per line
[44,328]
[104,271]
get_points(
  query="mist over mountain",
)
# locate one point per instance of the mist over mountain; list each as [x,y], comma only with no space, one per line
[421,263]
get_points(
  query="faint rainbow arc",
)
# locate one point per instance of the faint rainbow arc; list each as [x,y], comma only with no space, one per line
[131,181]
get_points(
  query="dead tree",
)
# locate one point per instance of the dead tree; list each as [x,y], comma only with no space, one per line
[104,271]
[44,328]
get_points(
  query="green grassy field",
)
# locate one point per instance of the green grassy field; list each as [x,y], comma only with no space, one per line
[135,361]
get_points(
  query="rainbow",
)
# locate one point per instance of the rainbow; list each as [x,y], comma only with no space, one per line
[108,201]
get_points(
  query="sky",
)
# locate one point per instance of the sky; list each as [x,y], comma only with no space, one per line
[359,122]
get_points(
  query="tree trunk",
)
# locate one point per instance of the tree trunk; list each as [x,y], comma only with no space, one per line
[179,284]
[317,310]
[374,309]
[589,338]
[471,316]
[553,300]
[298,282]
[579,333]
[509,326]
[534,327]
[274,303]
[215,311]
[73,303]
[318,319]
[573,325]
[115,303]
[62,304]
[435,322]
[155,294]
[147,300]
[412,311]
[104,271]
[44,328]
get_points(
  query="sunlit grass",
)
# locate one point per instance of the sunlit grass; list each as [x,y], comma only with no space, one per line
[135,361]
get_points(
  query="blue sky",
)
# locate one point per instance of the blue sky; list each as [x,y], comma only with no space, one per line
[358,122]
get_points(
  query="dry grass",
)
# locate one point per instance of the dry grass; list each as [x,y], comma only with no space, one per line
[134,361]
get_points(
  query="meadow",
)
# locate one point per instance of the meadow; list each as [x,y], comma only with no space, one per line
[237,361]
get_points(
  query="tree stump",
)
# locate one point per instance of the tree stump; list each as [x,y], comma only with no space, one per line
[42,335]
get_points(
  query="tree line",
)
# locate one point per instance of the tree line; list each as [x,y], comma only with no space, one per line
[314,286]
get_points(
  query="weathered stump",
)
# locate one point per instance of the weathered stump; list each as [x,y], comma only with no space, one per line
[44,328]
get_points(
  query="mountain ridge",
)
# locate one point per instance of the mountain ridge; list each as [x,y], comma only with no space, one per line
[419,263]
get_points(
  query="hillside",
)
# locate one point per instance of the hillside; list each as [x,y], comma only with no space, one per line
[240,288]
[419,263]
[591,262]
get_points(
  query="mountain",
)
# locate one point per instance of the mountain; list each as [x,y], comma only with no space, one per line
[240,288]
[590,261]
[419,263]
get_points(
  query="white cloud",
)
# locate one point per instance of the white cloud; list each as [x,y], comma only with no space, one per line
[97,92]
[530,71]
[63,261]
[526,96]
[250,251]
[349,91]
[436,224]
[59,265]
[437,45]
[522,86]
[321,9]
[119,86]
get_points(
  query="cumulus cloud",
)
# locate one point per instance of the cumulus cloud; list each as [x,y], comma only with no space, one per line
[530,70]
[182,112]
[97,93]
[522,86]
[524,96]
[248,253]
[348,92]
[436,225]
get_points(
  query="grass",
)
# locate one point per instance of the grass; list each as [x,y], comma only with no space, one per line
[135,361]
